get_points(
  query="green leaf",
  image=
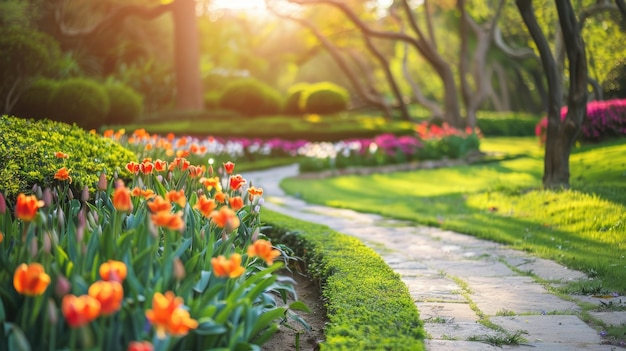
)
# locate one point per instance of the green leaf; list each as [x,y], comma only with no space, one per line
[267,319]
[210,328]
[203,282]
[17,339]
[299,306]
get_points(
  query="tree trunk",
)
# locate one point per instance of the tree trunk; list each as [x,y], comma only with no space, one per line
[187,56]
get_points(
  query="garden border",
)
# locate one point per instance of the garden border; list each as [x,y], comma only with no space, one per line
[368,305]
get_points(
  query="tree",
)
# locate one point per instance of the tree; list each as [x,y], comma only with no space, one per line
[186,47]
[561,134]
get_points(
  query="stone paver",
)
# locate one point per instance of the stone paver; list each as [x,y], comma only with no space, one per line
[447,273]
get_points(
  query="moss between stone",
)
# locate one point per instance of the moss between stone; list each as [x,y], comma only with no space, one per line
[369,307]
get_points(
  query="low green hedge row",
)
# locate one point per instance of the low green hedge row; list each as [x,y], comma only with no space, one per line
[368,306]
[27,155]
[506,123]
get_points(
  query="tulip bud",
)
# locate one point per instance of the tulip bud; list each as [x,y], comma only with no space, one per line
[62,287]
[84,195]
[33,247]
[3,205]
[47,197]
[179,269]
[102,182]
[53,316]
[47,244]
[70,194]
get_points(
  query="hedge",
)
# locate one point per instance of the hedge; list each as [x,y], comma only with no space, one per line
[506,123]
[368,305]
[27,155]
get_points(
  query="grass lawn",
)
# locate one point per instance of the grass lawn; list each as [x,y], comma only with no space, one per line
[583,228]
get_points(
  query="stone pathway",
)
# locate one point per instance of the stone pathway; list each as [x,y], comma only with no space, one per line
[457,280]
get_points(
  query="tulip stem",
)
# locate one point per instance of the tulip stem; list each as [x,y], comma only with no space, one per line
[73,339]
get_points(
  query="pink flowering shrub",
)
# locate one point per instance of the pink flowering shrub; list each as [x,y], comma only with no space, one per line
[605,119]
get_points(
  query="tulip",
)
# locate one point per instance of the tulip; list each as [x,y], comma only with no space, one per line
[31,279]
[79,310]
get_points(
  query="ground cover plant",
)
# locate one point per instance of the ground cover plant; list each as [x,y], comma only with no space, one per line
[582,228]
[369,307]
[171,259]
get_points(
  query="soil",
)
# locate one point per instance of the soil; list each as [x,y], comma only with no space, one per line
[292,332]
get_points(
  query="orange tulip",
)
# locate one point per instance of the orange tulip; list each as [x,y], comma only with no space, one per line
[79,310]
[160,165]
[169,220]
[205,206]
[27,206]
[231,267]
[113,270]
[121,199]
[60,154]
[133,167]
[167,315]
[110,295]
[236,182]
[263,249]
[1,237]
[63,174]
[176,197]
[225,218]
[229,167]
[220,197]
[146,167]
[159,204]
[31,279]
[211,183]
[236,203]
[136,191]
[140,346]
[252,191]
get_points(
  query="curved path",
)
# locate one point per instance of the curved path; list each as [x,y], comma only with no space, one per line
[457,280]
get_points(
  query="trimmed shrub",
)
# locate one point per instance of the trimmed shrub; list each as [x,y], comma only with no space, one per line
[324,98]
[35,100]
[386,315]
[27,155]
[292,102]
[251,98]
[80,100]
[212,100]
[125,104]
[605,119]
[25,54]
[506,123]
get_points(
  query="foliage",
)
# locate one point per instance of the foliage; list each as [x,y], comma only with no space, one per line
[185,261]
[506,123]
[582,228]
[125,104]
[27,157]
[324,98]
[212,100]
[153,81]
[80,100]
[25,55]
[605,119]
[381,316]
[35,100]
[223,123]
[615,86]
[292,102]
[251,98]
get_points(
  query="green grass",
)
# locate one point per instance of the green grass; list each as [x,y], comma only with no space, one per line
[583,228]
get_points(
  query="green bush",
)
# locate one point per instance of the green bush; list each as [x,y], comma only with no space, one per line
[292,102]
[506,123]
[212,100]
[324,98]
[368,305]
[35,100]
[125,104]
[27,157]
[25,54]
[251,98]
[80,100]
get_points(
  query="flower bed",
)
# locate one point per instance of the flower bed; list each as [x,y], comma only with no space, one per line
[605,119]
[172,260]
